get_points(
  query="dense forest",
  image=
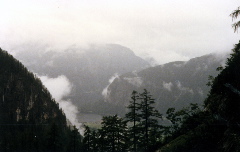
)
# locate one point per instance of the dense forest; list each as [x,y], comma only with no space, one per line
[30,119]
[143,128]
[216,127]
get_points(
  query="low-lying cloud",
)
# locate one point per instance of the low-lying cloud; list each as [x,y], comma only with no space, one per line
[136,81]
[106,91]
[182,88]
[60,87]
[167,86]
[192,29]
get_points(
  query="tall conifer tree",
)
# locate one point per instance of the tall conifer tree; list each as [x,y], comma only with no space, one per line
[132,117]
[148,120]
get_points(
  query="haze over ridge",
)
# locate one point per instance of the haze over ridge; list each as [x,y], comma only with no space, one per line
[163,30]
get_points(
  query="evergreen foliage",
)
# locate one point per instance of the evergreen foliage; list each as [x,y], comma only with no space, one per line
[235,15]
[133,117]
[30,119]
[87,139]
[139,130]
[111,137]
[148,124]
[75,143]
[115,133]
[217,127]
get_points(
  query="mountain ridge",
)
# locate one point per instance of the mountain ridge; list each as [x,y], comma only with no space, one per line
[88,71]
[170,84]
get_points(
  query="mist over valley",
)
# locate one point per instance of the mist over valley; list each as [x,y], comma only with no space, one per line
[99,80]
[119,76]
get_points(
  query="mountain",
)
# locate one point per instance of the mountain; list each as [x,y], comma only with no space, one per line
[111,72]
[30,119]
[88,70]
[217,127]
[174,84]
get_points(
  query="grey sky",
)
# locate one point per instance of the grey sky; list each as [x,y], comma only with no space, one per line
[167,30]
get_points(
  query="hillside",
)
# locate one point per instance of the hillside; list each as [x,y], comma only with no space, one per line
[30,119]
[174,84]
[218,129]
[88,70]
[91,73]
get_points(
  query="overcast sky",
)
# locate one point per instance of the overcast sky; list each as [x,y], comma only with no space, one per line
[167,30]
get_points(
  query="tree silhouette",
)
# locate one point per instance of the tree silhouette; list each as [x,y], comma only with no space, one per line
[87,138]
[132,117]
[235,15]
[75,143]
[115,133]
[53,144]
[148,124]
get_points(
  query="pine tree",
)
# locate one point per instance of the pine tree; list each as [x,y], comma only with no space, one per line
[87,139]
[235,15]
[132,117]
[101,140]
[53,144]
[149,121]
[75,143]
[115,133]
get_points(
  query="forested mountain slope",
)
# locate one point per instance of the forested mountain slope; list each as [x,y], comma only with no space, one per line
[88,69]
[174,84]
[30,119]
[218,129]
